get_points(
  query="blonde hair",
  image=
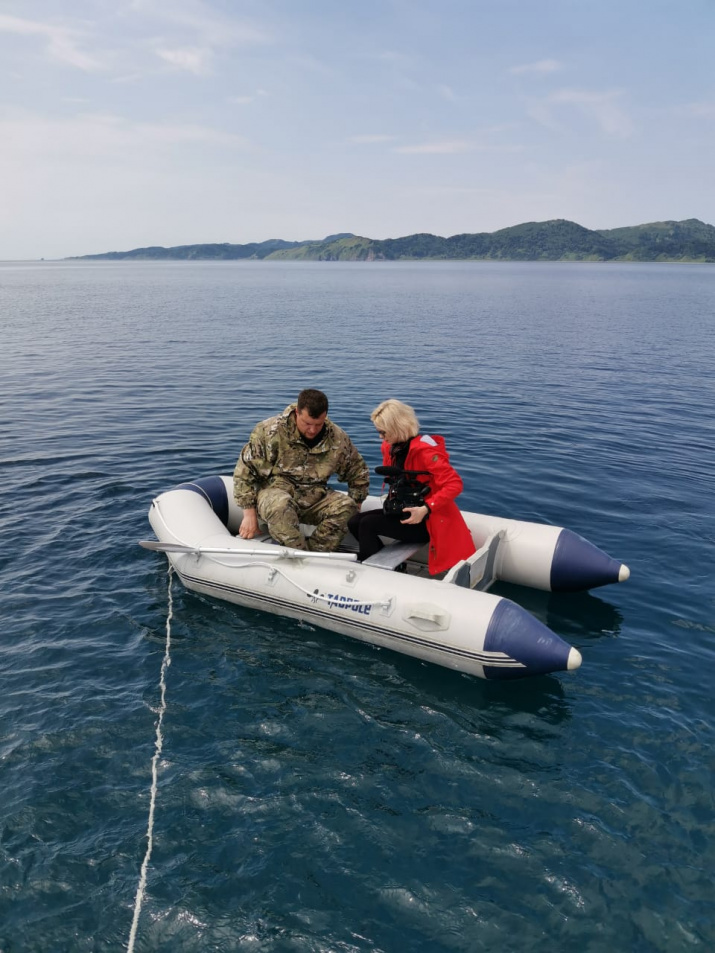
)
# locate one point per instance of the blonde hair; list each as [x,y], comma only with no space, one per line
[398,420]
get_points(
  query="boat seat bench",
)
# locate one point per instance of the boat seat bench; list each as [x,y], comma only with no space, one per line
[392,555]
[389,557]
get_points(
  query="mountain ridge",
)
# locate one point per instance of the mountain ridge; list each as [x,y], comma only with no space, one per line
[689,240]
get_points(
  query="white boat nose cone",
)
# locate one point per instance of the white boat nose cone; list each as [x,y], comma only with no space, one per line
[624,573]
[574,660]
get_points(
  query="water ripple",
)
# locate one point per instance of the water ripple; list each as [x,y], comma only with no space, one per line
[316,793]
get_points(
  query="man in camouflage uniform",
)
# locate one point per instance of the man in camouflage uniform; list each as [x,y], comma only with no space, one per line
[282,474]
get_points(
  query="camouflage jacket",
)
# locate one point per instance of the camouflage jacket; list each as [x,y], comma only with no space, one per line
[277,453]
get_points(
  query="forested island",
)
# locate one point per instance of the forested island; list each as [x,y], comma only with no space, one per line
[558,240]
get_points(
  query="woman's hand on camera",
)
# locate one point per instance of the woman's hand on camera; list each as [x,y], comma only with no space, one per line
[417,514]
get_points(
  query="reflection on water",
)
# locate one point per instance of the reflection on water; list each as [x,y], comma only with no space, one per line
[573,615]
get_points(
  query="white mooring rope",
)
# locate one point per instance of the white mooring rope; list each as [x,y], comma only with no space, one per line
[166,662]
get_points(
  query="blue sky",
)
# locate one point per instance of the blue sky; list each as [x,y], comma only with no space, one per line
[167,122]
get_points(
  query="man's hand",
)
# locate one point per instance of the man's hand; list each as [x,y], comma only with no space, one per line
[249,524]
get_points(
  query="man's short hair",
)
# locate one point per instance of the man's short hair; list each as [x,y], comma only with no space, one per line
[314,401]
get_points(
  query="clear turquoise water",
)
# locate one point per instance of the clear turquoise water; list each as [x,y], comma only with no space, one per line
[317,794]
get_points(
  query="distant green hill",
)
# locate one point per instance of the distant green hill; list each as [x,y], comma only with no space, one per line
[223,252]
[557,240]
[690,240]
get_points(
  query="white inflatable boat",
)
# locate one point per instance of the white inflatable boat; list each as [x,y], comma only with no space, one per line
[450,620]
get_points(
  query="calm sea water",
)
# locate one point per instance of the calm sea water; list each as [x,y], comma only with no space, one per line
[314,793]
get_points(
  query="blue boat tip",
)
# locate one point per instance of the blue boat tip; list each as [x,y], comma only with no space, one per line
[527,645]
[579,565]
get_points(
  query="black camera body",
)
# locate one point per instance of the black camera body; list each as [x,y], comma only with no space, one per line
[405,490]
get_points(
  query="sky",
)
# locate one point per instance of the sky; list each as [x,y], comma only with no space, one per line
[170,122]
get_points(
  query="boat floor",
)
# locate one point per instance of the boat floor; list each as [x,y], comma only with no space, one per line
[412,567]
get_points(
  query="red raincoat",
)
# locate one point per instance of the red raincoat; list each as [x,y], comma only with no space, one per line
[450,539]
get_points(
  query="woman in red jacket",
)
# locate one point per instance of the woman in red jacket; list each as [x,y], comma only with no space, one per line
[438,520]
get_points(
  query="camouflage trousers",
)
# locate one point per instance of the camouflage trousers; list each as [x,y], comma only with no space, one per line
[283,509]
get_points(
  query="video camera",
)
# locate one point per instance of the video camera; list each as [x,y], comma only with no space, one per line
[405,489]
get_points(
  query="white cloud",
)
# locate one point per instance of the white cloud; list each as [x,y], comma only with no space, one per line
[445,147]
[202,22]
[441,191]
[398,67]
[30,141]
[312,65]
[245,100]
[455,147]
[601,107]
[62,42]
[702,110]
[184,33]
[194,61]
[540,67]
[394,58]
[370,139]
[93,181]
[446,92]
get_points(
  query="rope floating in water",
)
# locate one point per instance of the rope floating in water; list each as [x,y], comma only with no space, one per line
[158,744]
